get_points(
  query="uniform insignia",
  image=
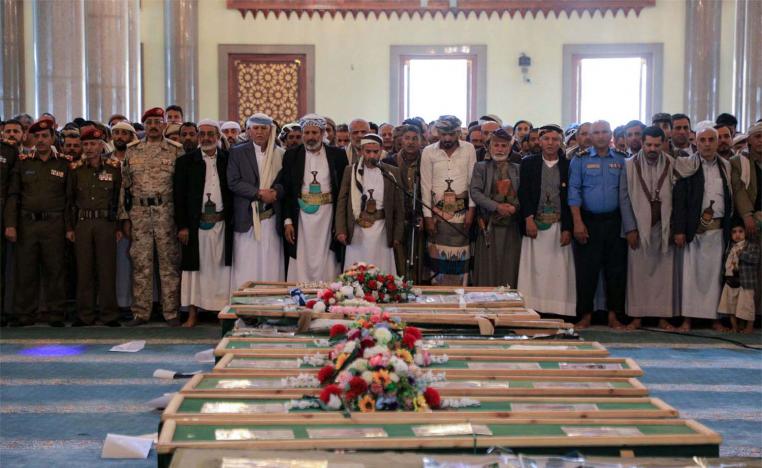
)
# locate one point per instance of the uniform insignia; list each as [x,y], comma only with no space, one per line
[615,165]
[105,177]
[29,172]
[3,160]
[592,166]
[74,164]
[56,173]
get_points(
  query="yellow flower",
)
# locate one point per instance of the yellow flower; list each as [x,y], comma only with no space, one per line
[419,404]
[405,355]
[340,360]
[367,404]
[382,377]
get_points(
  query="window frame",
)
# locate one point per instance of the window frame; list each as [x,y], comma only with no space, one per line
[652,53]
[477,79]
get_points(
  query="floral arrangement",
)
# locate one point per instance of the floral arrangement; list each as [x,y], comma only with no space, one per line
[377,364]
[359,289]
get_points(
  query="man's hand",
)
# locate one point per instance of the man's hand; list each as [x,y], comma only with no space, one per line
[431,226]
[469,218]
[580,233]
[751,225]
[342,238]
[531,228]
[70,236]
[505,209]
[183,235]
[633,239]
[679,241]
[289,233]
[566,237]
[10,234]
[396,243]
[268,196]
[127,228]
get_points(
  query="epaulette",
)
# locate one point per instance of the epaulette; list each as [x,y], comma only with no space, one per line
[173,142]
[620,153]
[133,143]
[581,153]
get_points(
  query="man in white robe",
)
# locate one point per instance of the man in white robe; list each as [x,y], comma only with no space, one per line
[546,268]
[203,214]
[370,218]
[253,168]
[310,178]
[645,197]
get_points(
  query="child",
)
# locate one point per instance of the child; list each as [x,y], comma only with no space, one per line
[741,266]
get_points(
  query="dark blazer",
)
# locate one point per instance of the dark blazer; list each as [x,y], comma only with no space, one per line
[243,180]
[291,178]
[189,179]
[394,207]
[531,183]
[687,197]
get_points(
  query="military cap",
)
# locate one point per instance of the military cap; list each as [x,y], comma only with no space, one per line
[40,125]
[153,112]
[91,133]
[661,117]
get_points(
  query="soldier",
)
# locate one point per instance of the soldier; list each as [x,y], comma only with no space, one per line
[94,195]
[8,157]
[147,174]
[34,217]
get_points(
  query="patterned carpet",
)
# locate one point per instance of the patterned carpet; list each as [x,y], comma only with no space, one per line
[61,390]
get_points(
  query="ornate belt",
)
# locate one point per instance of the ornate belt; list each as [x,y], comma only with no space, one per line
[267,214]
[367,220]
[212,218]
[316,198]
[713,225]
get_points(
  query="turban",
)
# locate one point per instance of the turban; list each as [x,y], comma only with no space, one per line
[314,120]
[371,138]
[287,129]
[230,124]
[754,129]
[210,122]
[91,133]
[259,119]
[448,124]
[490,118]
[123,125]
[153,112]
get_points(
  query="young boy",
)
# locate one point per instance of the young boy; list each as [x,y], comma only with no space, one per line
[741,265]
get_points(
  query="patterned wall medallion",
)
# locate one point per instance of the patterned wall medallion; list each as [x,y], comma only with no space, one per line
[269,83]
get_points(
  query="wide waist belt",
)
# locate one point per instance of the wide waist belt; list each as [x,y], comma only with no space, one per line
[267,214]
[212,218]
[713,225]
[84,214]
[151,201]
[316,198]
[367,220]
[41,215]
[547,218]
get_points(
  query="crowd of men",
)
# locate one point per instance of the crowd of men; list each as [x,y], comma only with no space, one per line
[656,222]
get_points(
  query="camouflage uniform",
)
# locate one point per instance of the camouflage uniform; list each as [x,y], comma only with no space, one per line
[147,174]
[94,196]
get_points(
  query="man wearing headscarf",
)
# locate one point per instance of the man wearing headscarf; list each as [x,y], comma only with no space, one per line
[252,172]
[448,211]
[230,130]
[290,135]
[204,218]
[370,216]
[358,128]
[310,177]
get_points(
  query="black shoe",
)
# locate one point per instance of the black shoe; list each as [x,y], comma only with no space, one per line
[81,323]
[56,324]
[113,324]
[175,322]
[136,322]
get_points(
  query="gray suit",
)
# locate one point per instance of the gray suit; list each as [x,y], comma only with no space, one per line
[243,180]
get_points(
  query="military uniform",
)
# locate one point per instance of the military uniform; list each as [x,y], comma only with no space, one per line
[94,195]
[147,174]
[8,157]
[37,203]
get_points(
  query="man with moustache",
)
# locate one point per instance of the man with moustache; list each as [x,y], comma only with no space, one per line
[584,141]
[664,122]
[147,174]
[633,135]
[290,135]
[330,131]
[342,136]
[358,128]
[189,137]
[35,218]
[231,130]
[72,146]
[386,132]
[681,133]
[724,141]
[486,127]
[174,114]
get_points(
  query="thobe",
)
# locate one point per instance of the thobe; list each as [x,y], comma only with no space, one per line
[448,252]
[370,244]
[209,287]
[258,260]
[650,267]
[314,259]
[546,269]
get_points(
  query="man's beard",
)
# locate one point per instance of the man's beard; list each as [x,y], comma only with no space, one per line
[312,145]
[120,145]
[207,148]
[189,146]
[446,144]
[652,155]
[723,149]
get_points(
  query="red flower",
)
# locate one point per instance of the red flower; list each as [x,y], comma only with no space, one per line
[361,278]
[380,296]
[372,284]
[358,385]
[432,398]
[338,329]
[408,341]
[370,298]
[416,332]
[390,278]
[397,297]
[311,303]
[367,342]
[326,393]
[353,334]
[391,286]
[327,294]
[325,373]
[380,277]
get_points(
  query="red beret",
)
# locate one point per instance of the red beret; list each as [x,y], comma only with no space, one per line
[92,133]
[153,112]
[42,124]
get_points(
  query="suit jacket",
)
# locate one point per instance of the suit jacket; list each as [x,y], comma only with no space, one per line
[189,180]
[481,185]
[291,178]
[244,181]
[687,198]
[531,183]
[394,207]
[744,197]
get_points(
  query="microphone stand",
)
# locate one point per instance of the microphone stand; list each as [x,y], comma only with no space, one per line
[409,263]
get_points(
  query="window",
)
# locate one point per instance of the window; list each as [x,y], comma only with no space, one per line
[617,83]
[433,81]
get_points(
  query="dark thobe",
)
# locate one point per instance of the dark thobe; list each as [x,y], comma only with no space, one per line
[94,195]
[594,188]
[410,181]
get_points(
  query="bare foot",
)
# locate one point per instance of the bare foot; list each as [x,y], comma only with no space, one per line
[685,327]
[584,322]
[664,325]
[748,329]
[191,322]
[718,327]
[614,322]
[634,325]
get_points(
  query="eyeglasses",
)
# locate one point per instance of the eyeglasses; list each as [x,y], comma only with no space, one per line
[210,133]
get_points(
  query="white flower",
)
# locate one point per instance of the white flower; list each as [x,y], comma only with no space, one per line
[382,335]
[359,291]
[359,364]
[334,402]
[395,378]
[348,291]
[332,301]
[399,366]
[319,307]
[367,376]
[350,346]
[418,359]
[370,352]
